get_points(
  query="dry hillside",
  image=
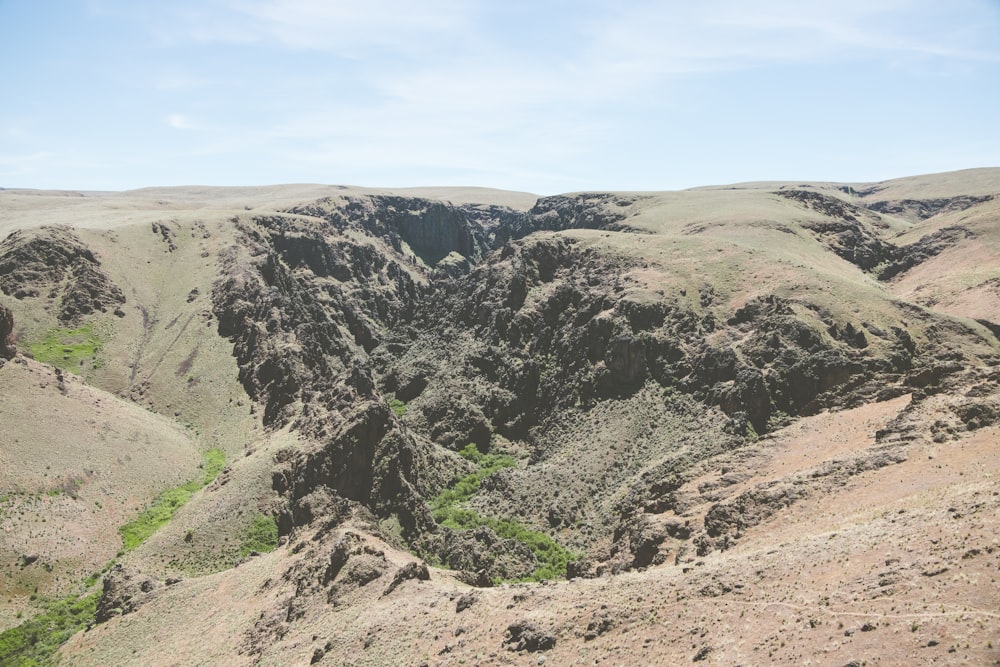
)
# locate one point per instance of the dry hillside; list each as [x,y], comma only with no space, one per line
[752,424]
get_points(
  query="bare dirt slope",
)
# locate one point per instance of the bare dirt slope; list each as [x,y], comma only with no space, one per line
[872,570]
[747,424]
[77,463]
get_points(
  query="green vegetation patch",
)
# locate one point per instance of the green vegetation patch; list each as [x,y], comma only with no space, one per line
[552,556]
[69,348]
[468,486]
[167,503]
[36,641]
[214,460]
[397,406]
[162,511]
[261,536]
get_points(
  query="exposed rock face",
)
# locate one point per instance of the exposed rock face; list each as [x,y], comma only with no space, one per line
[852,232]
[921,209]
[53,263]
[849,230]
[124,591]
[586,211]
[602,621]
[582,337]
[483,342]
[7,349]
[725,522]
[333,566]
[306,305]
[626,360]
[303,305]
[410,571]
[481,554]
[431,229]
[353,564]
[928,246]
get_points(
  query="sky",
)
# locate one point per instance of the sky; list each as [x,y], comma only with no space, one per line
[546,96]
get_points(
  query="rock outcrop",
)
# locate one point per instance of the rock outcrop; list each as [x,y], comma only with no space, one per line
[7,349]
[53,263]
[527,636]
[303,306]
[124,590]
[921,209]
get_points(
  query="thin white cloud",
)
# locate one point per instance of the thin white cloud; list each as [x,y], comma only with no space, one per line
[181,122]
[448,53]
[16,131]
[737,34]
[517,87]
[402,134]
[348,28]
[18,166]
[24,161]
[495,102]
[180,82]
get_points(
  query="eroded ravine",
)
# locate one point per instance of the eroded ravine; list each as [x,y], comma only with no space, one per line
[490,328]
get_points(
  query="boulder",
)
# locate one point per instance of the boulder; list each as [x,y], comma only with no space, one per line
[526,636]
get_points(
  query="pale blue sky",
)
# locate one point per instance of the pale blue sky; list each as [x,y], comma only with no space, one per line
[545,96]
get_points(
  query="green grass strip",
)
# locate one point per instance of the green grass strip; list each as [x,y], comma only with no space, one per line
[214,460]
[167,503]
[468,486]
[35,642]
[552,556]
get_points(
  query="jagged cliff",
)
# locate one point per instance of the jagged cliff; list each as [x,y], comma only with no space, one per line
[496,323]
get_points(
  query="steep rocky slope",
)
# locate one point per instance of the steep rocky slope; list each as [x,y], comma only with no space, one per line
[626,368]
